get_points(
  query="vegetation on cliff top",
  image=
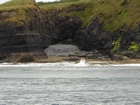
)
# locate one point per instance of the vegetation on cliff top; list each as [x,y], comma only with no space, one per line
[113,14]
[12,3]
[57,4]
[18,7]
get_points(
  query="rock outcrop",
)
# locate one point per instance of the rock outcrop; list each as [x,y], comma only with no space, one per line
[93,37]
[15,38]
[56,28]
[39,28]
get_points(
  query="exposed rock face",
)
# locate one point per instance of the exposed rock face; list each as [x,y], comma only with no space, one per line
[129,36]
[93,38]
[62,50]
[26,57]
[44,28]
[23,42]
[16,38]
[55,28]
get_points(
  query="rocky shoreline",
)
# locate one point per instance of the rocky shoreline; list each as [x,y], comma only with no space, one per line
[32,34]
[55,59]
[68,53]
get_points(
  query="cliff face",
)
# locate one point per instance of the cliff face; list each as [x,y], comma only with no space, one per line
[93,37]
[56,28]
[32,29]
[16,37]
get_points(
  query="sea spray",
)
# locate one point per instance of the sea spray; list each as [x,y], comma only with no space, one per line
[82,63]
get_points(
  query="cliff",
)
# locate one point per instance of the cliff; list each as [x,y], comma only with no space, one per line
[109,27]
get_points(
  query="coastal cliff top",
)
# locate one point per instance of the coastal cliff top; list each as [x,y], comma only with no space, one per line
[113,14]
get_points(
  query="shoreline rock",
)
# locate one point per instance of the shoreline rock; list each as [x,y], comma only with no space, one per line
[24,57]
[26,39]
[62,52]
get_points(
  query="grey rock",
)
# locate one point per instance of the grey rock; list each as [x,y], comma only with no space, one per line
[62,50]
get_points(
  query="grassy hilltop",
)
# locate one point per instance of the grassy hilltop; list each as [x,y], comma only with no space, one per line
[112,13]
[13,3]
[18,7]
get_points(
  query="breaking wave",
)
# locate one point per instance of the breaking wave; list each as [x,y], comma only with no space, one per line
[81,63]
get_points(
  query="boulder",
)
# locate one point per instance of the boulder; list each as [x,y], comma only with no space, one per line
[61,50]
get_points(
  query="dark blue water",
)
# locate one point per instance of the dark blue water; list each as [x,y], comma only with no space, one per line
[69,84]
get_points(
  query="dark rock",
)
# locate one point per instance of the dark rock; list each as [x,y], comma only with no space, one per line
[83,53]
[40,29]
[125,58]
[104,58]
[57,29]
[72,59]
[120,57]
[138,56]
[19,43]
[21,38]
[26,57]
[126,53]
[117,57]
[127,37]
[2,56]
[68,41]
[92,37]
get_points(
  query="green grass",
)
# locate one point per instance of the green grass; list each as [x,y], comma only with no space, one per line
[58,4]
[116,44]
[112,13]
[17,3]
[135,47]
[55,2]
[19,7]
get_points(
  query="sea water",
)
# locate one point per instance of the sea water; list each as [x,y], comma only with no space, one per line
[67,83]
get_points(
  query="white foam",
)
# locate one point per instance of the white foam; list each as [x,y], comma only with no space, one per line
[126,65]
[82,63]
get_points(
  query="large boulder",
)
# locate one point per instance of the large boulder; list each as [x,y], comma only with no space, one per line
[62,50]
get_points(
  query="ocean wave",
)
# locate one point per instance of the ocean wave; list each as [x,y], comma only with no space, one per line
[81,63]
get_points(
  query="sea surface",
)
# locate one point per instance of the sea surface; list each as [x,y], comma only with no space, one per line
[67,83]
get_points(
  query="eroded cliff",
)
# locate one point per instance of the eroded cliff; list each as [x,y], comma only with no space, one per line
[101,26]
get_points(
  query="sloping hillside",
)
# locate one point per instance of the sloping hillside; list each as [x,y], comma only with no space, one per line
[112,13]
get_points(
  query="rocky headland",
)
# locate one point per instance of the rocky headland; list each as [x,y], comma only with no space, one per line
[70,30]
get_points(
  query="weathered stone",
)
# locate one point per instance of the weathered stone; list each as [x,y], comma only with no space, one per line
[117,57]
[61,50]
[26,57]
[44,28]
[92,37]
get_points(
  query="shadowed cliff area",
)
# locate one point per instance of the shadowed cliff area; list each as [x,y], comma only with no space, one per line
[110,27]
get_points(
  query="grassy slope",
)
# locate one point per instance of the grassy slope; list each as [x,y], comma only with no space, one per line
[19,6]
[17,3]
[57,5]
[112,13]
